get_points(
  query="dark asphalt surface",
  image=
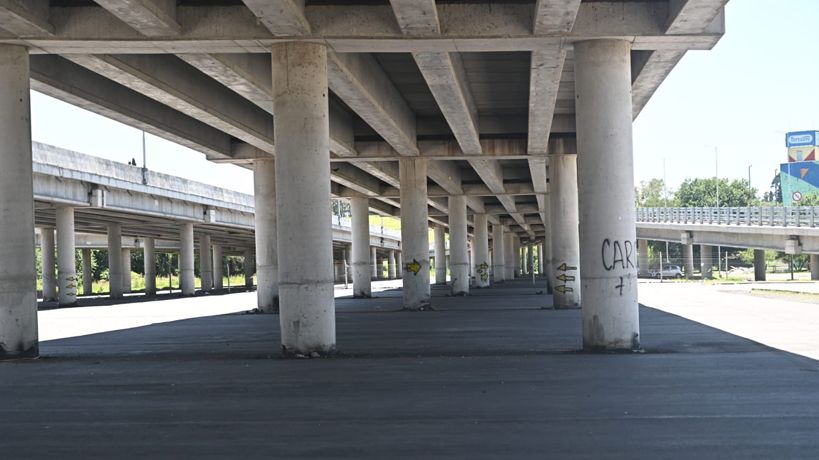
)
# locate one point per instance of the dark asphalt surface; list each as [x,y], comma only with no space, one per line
[485,376]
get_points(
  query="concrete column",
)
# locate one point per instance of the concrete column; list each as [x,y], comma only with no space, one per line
[458,250]
[374,262]
[186,257]
[18,275]
[391,265]
[605,169]
[47,248]
[149,265]
[498,254]
[126,270]
[706,260]
[547,247]
[565,237]
[249,265]
[414,232]
[267,262]
[541,260]
[439,242]
[509,255]
[360,262]
[814,267]
[759,265]
[380,267]
[205,263]
[218,266]
[530,259]
[302,132]
[400,265]
[688,259]
[66,257]
[471,244]
[481,245]
[115,260]
[642,249]
[87,273]
[516,252]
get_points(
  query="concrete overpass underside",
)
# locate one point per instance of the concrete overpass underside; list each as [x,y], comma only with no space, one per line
[459,114]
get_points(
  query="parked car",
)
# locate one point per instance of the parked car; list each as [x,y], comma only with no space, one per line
[669,271]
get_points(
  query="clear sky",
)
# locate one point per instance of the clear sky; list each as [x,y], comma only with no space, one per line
[760,81]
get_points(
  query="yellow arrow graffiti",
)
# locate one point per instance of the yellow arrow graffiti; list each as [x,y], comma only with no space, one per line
[413,267]
[564,277]
[563,267]
[563,289]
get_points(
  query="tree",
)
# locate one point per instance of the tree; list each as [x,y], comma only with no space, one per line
[650,194]
[703,192]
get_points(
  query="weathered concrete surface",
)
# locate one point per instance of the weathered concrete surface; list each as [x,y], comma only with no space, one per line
[486,376]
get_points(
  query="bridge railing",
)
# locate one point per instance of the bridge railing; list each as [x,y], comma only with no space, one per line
[767,216]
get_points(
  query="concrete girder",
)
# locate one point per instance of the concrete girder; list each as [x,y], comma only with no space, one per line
[693,16]
[555,15]
[545,71]
[27,18]
[173,82]
[361,83]
[447,175]
[281,17]
[152,18]
[468,28]
[649,70]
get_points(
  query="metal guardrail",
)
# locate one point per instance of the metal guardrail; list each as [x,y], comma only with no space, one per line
[769,216]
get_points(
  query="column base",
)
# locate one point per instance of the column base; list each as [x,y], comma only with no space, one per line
[30,353]
[291,354]
[425,307]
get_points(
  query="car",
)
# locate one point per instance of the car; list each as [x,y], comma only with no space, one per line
[669,271]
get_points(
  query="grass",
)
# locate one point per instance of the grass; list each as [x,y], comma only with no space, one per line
[138,283]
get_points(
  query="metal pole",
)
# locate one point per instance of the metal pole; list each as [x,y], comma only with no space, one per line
[661,266]
[144,162]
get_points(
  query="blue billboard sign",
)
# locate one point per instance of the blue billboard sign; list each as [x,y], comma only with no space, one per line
[801,138]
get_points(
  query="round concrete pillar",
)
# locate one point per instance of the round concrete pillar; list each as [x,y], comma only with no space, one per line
[688,260]
[373,263]
[205,263]
[267,260]
[509,255]
[541,259]
[642,249]
[759,265]
[605,169]
[438,234]
[530,259]
[362,273]
[149,265]
[814,267]
[47,254]
[115,286]
[400,265]
[498,254]
[18,275]
[87,273]
[249,265]
[302,133]
[706,260]
[126,270]
[547,247]
[218,266]
[564,229]
[186,259]
[481,245]
[414,232]
[391,265]
[458,250]
[66,257]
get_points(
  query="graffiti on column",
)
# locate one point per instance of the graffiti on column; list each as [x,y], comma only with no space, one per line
[618,255]
[483,271]
[71,285]
[564,278]
[413,267]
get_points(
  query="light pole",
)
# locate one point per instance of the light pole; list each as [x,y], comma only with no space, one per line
[716,176]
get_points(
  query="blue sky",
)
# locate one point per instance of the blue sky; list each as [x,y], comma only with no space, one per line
[760,81]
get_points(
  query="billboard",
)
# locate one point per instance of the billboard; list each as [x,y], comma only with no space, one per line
[798,154]
[801,138]
[798,180]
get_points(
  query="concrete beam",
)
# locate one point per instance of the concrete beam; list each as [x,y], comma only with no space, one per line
[173,82]
[545,71]
[447,175]
[417,17]
[649,70]
[28,18]
[361,83]
[281,17]
[468,27]
[692,16]
[555,15]
[152,18]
